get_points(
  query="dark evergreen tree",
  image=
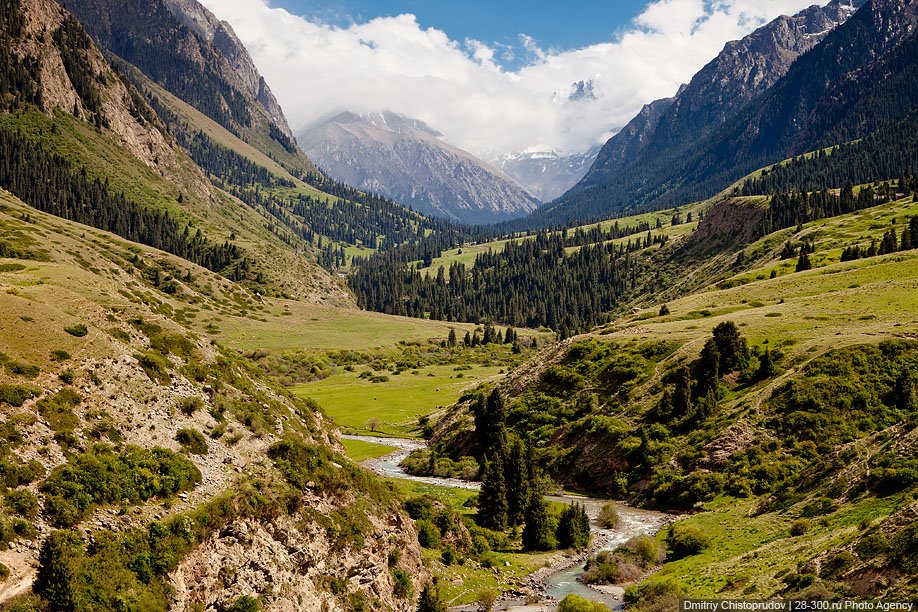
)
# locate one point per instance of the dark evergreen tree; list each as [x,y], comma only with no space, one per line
[431,600]
[538,532]
[451,340]
[732,348]
[766,366]
[518,486]
[574,528]
[682,394]
[492,500]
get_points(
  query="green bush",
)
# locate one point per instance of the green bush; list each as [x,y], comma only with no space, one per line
[57,410]
[189,405]
[687,540]
[401,583]
[834,567]
[602,569]
[22,502]
[79,330]
[872,546]
[26,370]
[192,441]
[246,603]
[428,534]
[15,395]
[608,516]
[819,507]
[576,603]
[647,549]
[799,527]
[419,508]
[654,596]
[104,475]
[60,355]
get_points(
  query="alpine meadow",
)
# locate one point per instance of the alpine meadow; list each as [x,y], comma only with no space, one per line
[395,307]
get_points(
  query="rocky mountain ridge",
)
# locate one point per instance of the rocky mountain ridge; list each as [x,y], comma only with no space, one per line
[404,159]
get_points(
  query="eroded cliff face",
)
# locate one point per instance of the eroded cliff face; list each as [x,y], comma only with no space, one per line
[296,563]
[220,34]
[48,40]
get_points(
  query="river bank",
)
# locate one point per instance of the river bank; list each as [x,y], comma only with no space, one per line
[560,578]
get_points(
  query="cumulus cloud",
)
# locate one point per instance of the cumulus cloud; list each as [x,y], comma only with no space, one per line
[461,89]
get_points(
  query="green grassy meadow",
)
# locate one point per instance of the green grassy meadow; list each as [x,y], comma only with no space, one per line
[351,401]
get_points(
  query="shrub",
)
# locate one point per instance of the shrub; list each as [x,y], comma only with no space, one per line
[106,476]
[22,502]
[687,540]
[576,603]
[59,355]
[428,534]
[449,556]
[487,598]
[602,569]
[189,405]
[872,546]
[77,331]
[419,508]
[15,395]
[401,583]
[246,603]
[608,516]
[837,565]
[799,527]
[648,550]
[819,507]
[654,596]
[57,410]
[192,441]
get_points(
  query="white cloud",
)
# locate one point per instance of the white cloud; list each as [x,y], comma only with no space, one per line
[460,89]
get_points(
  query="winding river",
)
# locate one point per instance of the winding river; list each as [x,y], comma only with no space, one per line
[559,580]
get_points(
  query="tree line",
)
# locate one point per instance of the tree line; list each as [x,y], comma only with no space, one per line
[530,283]
[47,181]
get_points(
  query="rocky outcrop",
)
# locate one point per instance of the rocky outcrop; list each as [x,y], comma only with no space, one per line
[200,20]
[291,562]
[404,159]
[41,41]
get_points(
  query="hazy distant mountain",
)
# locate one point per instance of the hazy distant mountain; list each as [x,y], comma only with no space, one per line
[647,159]
[544,172]
[406,160]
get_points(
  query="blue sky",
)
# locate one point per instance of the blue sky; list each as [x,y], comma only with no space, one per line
[553,25]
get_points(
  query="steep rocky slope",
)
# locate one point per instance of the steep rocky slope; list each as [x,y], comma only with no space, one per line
[181,46]
[68,105]
[98,361]
[667,129]
[406,160]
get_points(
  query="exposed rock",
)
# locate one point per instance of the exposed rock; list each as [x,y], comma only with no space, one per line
[406,160]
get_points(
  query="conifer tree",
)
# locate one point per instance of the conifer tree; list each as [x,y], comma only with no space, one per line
[538,533]
[518,486]
[682,394]
[451,340]
[430,600]
[492,500]
[574,528]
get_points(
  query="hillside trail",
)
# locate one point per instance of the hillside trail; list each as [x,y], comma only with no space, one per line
[559,579]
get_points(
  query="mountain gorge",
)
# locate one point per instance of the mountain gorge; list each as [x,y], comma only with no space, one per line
[406,160]
[211,333]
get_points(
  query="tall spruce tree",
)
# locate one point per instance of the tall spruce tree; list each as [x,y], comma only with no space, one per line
[518,486]
[539,532]
[492,500]
[574,528]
